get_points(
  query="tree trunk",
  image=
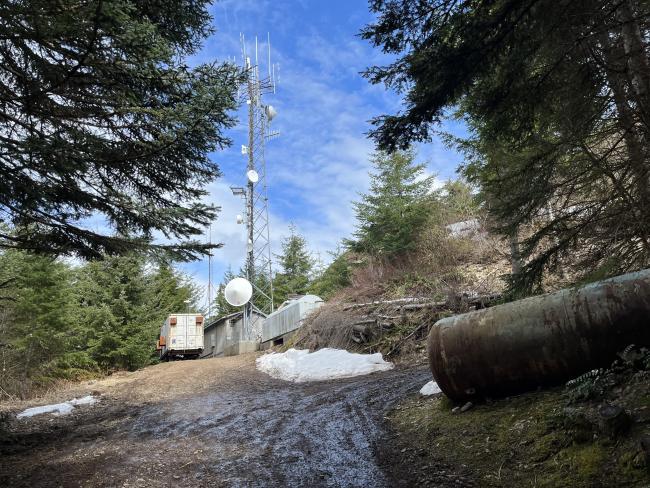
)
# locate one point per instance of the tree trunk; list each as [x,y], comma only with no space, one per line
[638,68]
[615,57]
[636,59]
[515,253]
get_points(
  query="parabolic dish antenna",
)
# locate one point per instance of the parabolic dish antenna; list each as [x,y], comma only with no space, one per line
[252,176]
[271,112]
[240,219]
[238,291]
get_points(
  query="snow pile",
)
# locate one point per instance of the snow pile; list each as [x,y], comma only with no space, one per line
[300,365]
[58,408]
[431,388]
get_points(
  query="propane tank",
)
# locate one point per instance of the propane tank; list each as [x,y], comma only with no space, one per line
[542,340]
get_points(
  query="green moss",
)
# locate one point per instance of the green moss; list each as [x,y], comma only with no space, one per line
[586,460]
[445,404]
[546,447]
[516,442]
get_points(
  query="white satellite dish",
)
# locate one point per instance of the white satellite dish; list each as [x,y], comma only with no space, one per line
[252,176]
[270,112]
[240,219]
[249,245]
[238,292]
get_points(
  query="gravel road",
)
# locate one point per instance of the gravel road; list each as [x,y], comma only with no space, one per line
[214,422]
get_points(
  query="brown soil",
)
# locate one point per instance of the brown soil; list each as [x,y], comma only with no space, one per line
[214,422]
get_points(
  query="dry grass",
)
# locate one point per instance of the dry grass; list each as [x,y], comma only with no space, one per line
[442,268]
[164,380]
[394,333]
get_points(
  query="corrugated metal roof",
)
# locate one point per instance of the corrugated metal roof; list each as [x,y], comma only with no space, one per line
[221,320]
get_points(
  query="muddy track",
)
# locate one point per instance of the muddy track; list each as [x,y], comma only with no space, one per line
[241,429]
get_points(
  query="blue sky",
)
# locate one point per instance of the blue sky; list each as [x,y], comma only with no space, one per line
[319,164]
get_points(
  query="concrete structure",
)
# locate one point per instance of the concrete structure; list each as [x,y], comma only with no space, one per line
[223,336]
[181,336]
[282,324]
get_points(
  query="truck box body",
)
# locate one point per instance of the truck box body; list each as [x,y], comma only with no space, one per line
[181,335]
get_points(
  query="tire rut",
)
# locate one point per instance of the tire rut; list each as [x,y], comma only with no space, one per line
[254,432]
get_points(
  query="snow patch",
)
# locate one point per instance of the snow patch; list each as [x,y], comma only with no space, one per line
[431,388]
[87,400]
[299,365]
[57,408]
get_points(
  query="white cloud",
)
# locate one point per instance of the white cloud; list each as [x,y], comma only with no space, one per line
[320,162]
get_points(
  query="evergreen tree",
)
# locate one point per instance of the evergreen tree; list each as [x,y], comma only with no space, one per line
[35,318]
[102,118]
[110,293]
[222,307]
[296,266]
[59,321]
[458,200]
[168,290]
[261,293]
[123,304]
[390,215]
[557,97]
[335,277]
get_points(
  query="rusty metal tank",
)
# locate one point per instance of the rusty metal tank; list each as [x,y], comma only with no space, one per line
[541,340]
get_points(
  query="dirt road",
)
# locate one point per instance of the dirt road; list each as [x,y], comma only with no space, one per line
[215,422]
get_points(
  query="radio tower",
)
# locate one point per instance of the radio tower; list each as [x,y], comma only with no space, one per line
[258,255]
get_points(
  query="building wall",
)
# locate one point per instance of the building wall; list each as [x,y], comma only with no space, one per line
[289,317]
[214,341]
[224,338]
[277,341]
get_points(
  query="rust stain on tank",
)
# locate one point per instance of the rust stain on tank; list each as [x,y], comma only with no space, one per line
[540,340]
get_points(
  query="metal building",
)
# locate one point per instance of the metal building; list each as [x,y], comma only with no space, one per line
[224,336]
[283,323]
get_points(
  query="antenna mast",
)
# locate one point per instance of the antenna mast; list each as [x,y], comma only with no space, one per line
[258,249]
[210,287]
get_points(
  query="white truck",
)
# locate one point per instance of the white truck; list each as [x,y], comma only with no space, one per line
[181,337]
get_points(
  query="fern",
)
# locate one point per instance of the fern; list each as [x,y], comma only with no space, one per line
[581,380]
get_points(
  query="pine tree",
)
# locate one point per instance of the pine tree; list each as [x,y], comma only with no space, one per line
[557,96]
[222,307]
[123,301]
[35,318]
[458,200]
[60,321]
[168,290]
[296,266]
[389,216]
[101,118]
[335,277]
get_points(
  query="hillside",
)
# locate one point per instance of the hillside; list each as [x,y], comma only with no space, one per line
[391,303]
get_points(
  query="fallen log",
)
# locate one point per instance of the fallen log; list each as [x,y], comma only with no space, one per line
[365,321]
[420,306]
[384,302]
